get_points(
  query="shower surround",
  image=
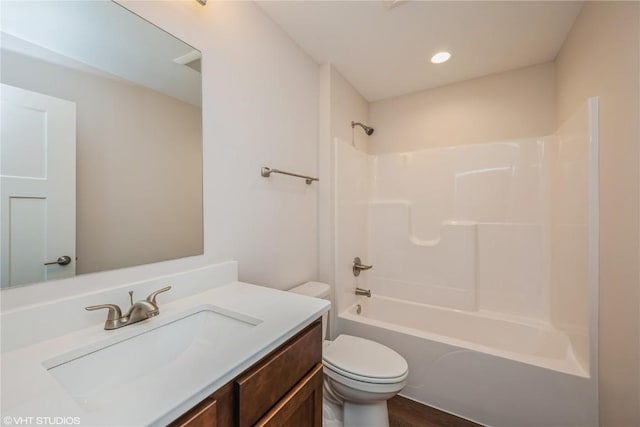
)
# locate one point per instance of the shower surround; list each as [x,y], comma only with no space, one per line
[485,271]
[461,227]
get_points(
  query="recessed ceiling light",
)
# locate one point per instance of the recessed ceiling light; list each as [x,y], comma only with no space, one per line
[440,57]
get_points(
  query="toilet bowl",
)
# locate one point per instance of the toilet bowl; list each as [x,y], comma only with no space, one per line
[360,375]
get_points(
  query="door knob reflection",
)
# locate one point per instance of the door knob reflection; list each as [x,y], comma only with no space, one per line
[63,260]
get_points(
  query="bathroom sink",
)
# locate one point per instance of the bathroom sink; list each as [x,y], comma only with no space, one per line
[149,354]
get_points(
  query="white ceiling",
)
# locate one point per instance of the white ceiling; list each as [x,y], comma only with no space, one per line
[384,51]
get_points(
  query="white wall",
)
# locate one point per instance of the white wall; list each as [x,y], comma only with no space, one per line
[260,94]
[510,105]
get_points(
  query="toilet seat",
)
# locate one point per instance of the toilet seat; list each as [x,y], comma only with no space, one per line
[363,360]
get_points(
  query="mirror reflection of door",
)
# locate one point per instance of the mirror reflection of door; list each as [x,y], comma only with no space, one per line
[38,189]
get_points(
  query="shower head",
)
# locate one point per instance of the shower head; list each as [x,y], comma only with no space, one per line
[368,130]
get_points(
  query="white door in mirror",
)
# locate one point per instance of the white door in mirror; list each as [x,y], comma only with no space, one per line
[38,188]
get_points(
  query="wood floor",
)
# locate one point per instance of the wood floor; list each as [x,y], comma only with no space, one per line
[407,413]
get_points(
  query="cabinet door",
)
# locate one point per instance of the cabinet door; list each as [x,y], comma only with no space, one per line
[264,385]
[301,407]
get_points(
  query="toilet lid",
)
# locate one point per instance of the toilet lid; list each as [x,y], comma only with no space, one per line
[364,360]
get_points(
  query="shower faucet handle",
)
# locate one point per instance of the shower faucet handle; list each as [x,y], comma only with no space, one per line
[358,266]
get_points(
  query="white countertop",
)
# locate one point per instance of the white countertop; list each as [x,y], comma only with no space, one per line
[29,390]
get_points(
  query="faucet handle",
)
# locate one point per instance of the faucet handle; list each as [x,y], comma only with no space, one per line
[114,310]
[152,296]
[358,266]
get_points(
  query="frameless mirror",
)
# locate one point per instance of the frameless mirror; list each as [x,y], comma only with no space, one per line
[101,141]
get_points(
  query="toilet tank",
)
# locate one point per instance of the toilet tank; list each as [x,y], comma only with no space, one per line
[316,290]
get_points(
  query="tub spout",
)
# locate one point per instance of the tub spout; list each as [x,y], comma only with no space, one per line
[363,292]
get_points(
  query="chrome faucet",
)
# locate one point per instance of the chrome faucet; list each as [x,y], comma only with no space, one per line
[363,292]
[139,311]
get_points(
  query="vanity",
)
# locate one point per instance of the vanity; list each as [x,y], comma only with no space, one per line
[217,354]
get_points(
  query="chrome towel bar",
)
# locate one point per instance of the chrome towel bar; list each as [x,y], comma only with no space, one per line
[266,172]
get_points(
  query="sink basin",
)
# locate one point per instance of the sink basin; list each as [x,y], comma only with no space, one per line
[173,353]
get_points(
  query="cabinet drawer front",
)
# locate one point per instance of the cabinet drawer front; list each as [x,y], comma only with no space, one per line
[302,406]
[204,415]
[263,386]
[215,410]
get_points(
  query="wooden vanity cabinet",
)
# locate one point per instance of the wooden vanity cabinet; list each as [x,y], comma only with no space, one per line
[282,389]
[302,406]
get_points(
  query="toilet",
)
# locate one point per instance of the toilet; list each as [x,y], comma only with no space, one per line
[360,375]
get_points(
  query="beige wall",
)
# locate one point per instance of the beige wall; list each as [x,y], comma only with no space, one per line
[139,166]
[348,105]
[325,173]
[601,58]
[513,104]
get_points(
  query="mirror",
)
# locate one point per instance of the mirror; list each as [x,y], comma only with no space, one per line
[101,149]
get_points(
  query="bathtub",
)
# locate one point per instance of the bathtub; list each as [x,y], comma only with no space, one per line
[493,369]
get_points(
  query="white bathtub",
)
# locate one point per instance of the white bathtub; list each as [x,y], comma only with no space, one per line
[495,370]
